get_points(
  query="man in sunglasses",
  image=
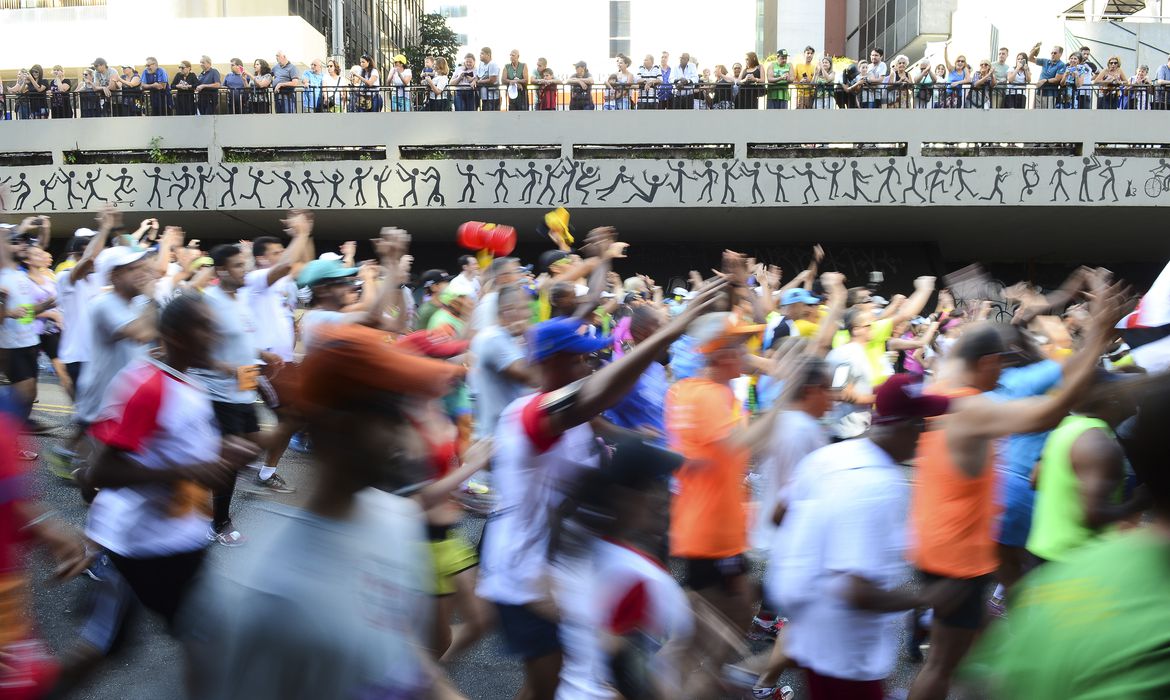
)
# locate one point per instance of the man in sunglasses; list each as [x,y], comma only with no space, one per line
[1051,71]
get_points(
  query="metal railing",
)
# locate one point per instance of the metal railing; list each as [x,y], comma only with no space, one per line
[134,102]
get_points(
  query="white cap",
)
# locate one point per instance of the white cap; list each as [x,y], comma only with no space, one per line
[84,233]
[581,290]
[329,256]
[111,259]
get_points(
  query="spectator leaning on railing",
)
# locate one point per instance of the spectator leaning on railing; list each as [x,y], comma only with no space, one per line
[1051,74]
[60,104]
[130,87]
[236,84]
[208,86]
[778,76]
[156,83]
[259,81]
[399,79]
[1109,83]
[106,80]
[487,77]
[1019,76]
[312,79]
[516,78]
[649,78]
[684,77]
[332,87]
[436,85]
[581,84]
[1076,75]
[286,77]
[805,75]
[184,84]
[370,99]
[665,89]
[1162,80]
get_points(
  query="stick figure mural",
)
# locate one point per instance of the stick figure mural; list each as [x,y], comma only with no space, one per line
[533,176]
[710,175]
[1110,179]
[123,191]
[680,176]
[936,179]
[621,179]
[590,176]
[781,196]
[412,178]
[289,188]
[183,182]
[1058,180]
[468,193]
[205,178]
[655,183]
[257,180]
[728,176]
[810,187]
[358,185]
[858,179]
[957,174]
[47,186]
[890,172]
[432,175]
[914,172]
[381,179]
[67,180]
[754,174]
[336,180]
[1031,177]
[833,173]
[156,178]
[90,185]
[229,180]
[500,173]
[309,184]
[550,174]
[22,190]
[570,167]
[1090,164]
[1000,176]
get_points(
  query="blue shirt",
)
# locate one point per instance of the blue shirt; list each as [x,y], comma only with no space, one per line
[234,81]
[159,76]
[209,76]
[1050,68]
[665,90]
[685,359]
[644,406]
[312,83]
[1022,450]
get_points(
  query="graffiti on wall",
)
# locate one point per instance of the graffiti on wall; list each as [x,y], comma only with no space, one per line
[905,181]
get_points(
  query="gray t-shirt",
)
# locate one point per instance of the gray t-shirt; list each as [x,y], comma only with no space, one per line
[494,350]
[110,353]
[324,609]
[236,345]
[486,312]
[285,73]
[17,332]
[851,420]
[313,319]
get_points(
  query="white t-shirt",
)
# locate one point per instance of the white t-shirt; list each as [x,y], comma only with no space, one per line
[851,420]
[486,70]
[796,435]
[273,307]
[163,419]
[17,332]
[486,312]
[617,591]
[235,344]
[847,515]
[531,473]
[463,284]
[73,298]
[313,319]
[110,353]
[322,608]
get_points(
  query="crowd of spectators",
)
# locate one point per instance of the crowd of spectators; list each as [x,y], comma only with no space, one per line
[479,83]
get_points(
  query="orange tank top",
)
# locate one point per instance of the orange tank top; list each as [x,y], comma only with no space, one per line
[952,514]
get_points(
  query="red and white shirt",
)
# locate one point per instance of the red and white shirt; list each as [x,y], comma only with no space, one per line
[531,471]
[163,420]
[617,591]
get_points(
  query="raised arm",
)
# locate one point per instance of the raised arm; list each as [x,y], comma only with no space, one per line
[923,288]
[299,224]
[108,219]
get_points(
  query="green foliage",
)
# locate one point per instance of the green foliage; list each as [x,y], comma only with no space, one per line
[70,157]
[158,155]
[435,38]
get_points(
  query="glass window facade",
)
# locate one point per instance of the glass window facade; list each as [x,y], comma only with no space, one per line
[380,28]
[887,24]
[619,27]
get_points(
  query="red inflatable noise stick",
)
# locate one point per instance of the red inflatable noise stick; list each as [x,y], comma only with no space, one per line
[488,239]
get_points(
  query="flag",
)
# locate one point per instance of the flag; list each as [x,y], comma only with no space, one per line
[1147,329]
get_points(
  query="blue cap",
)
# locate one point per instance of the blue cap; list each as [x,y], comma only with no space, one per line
[319,271]
[562,335]
[798,296]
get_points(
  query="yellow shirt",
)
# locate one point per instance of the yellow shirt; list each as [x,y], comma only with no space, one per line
[805,71]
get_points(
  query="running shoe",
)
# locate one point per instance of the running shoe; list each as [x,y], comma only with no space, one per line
[274,484]
[27,455]
[766,630]
[300,442]
[60,462]
[779,692]
[477,497]
[230,537]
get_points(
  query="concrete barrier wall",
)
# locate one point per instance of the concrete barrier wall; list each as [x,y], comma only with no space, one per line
[817,178]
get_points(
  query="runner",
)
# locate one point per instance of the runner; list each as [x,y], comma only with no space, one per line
[159,454]
[953,502]
[337,602]
[542,442]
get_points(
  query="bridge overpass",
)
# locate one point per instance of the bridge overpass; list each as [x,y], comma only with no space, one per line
[944,186]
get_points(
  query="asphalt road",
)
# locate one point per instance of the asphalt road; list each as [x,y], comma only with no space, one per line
[148,666]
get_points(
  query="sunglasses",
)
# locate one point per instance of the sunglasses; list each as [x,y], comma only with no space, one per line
[1114,63]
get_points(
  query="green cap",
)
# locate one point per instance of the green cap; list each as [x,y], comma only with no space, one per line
[319,271]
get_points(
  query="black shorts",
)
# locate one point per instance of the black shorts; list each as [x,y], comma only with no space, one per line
[705,573]
[49,343]
[527,634]
[74,370]
[22,363]
[236,418]
[967,613]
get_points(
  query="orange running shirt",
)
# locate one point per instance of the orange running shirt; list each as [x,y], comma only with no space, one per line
[953,515]
[708,516]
